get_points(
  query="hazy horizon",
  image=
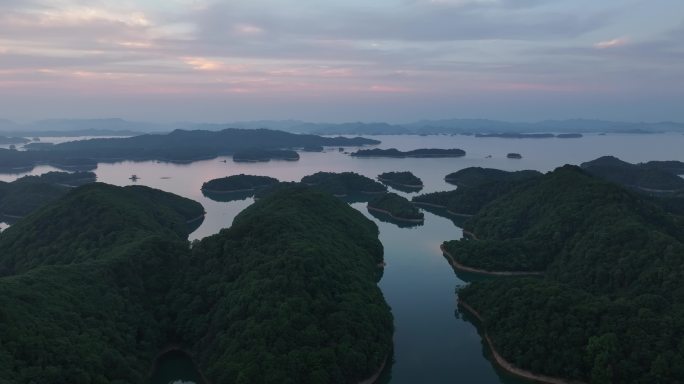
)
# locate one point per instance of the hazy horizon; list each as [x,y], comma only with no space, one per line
[295,121]
[390,60]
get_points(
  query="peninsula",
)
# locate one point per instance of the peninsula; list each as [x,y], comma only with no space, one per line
[178,146]
[612,263]
[122,255]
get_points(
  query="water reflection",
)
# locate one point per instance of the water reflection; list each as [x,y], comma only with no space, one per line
[434,341]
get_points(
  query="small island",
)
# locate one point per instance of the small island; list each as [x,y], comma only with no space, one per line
[569,135]
[344,184]
[417,153]
[397,208]
[263,155]
[514,156]
[238,183]
[402,181]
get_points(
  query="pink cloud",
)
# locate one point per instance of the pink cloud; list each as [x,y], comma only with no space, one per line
[389,89]
[611,43]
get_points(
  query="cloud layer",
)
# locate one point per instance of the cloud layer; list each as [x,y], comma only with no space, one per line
[386,59]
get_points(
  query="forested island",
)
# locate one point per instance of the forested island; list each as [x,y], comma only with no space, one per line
[263,155]
[345,184]
[396,207]
[610,307]
[476,188]
[654,176]
[5,140]
[177,146]
[514,156]
[236,187]
[238,183]
[24,195]
[393,152]
[96,284]
[402,181]
[476,176]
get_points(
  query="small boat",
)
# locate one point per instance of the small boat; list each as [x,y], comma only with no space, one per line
[134,178]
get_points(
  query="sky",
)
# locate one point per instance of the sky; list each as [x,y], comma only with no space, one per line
[342,60]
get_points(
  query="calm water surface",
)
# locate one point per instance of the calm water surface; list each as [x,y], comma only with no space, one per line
[433,344]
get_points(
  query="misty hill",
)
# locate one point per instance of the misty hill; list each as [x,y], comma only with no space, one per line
[105,277]
[612,294]
[116,126]
[177,146]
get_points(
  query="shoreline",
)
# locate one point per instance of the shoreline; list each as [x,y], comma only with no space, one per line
[455,264]
[419,203]
[395,217]
[219,192]
[377,374]
[505,364]
[200,217]
[390,182]
[429,204]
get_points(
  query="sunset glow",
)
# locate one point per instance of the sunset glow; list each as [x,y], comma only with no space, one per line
[316,61]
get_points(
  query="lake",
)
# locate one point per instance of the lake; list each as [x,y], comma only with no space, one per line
[433,343]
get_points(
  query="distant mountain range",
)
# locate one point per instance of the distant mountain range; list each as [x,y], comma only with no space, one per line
[120,127]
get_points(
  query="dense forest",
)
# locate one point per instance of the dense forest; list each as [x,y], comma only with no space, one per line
[26,194]
[401,181]
[237,187]
[393,152]
[94,285]
[238,183]
[345,184]
[398,207]
[610,308]
[177,146]
[477,188]
[288,294]
[656,177]
[476,176]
